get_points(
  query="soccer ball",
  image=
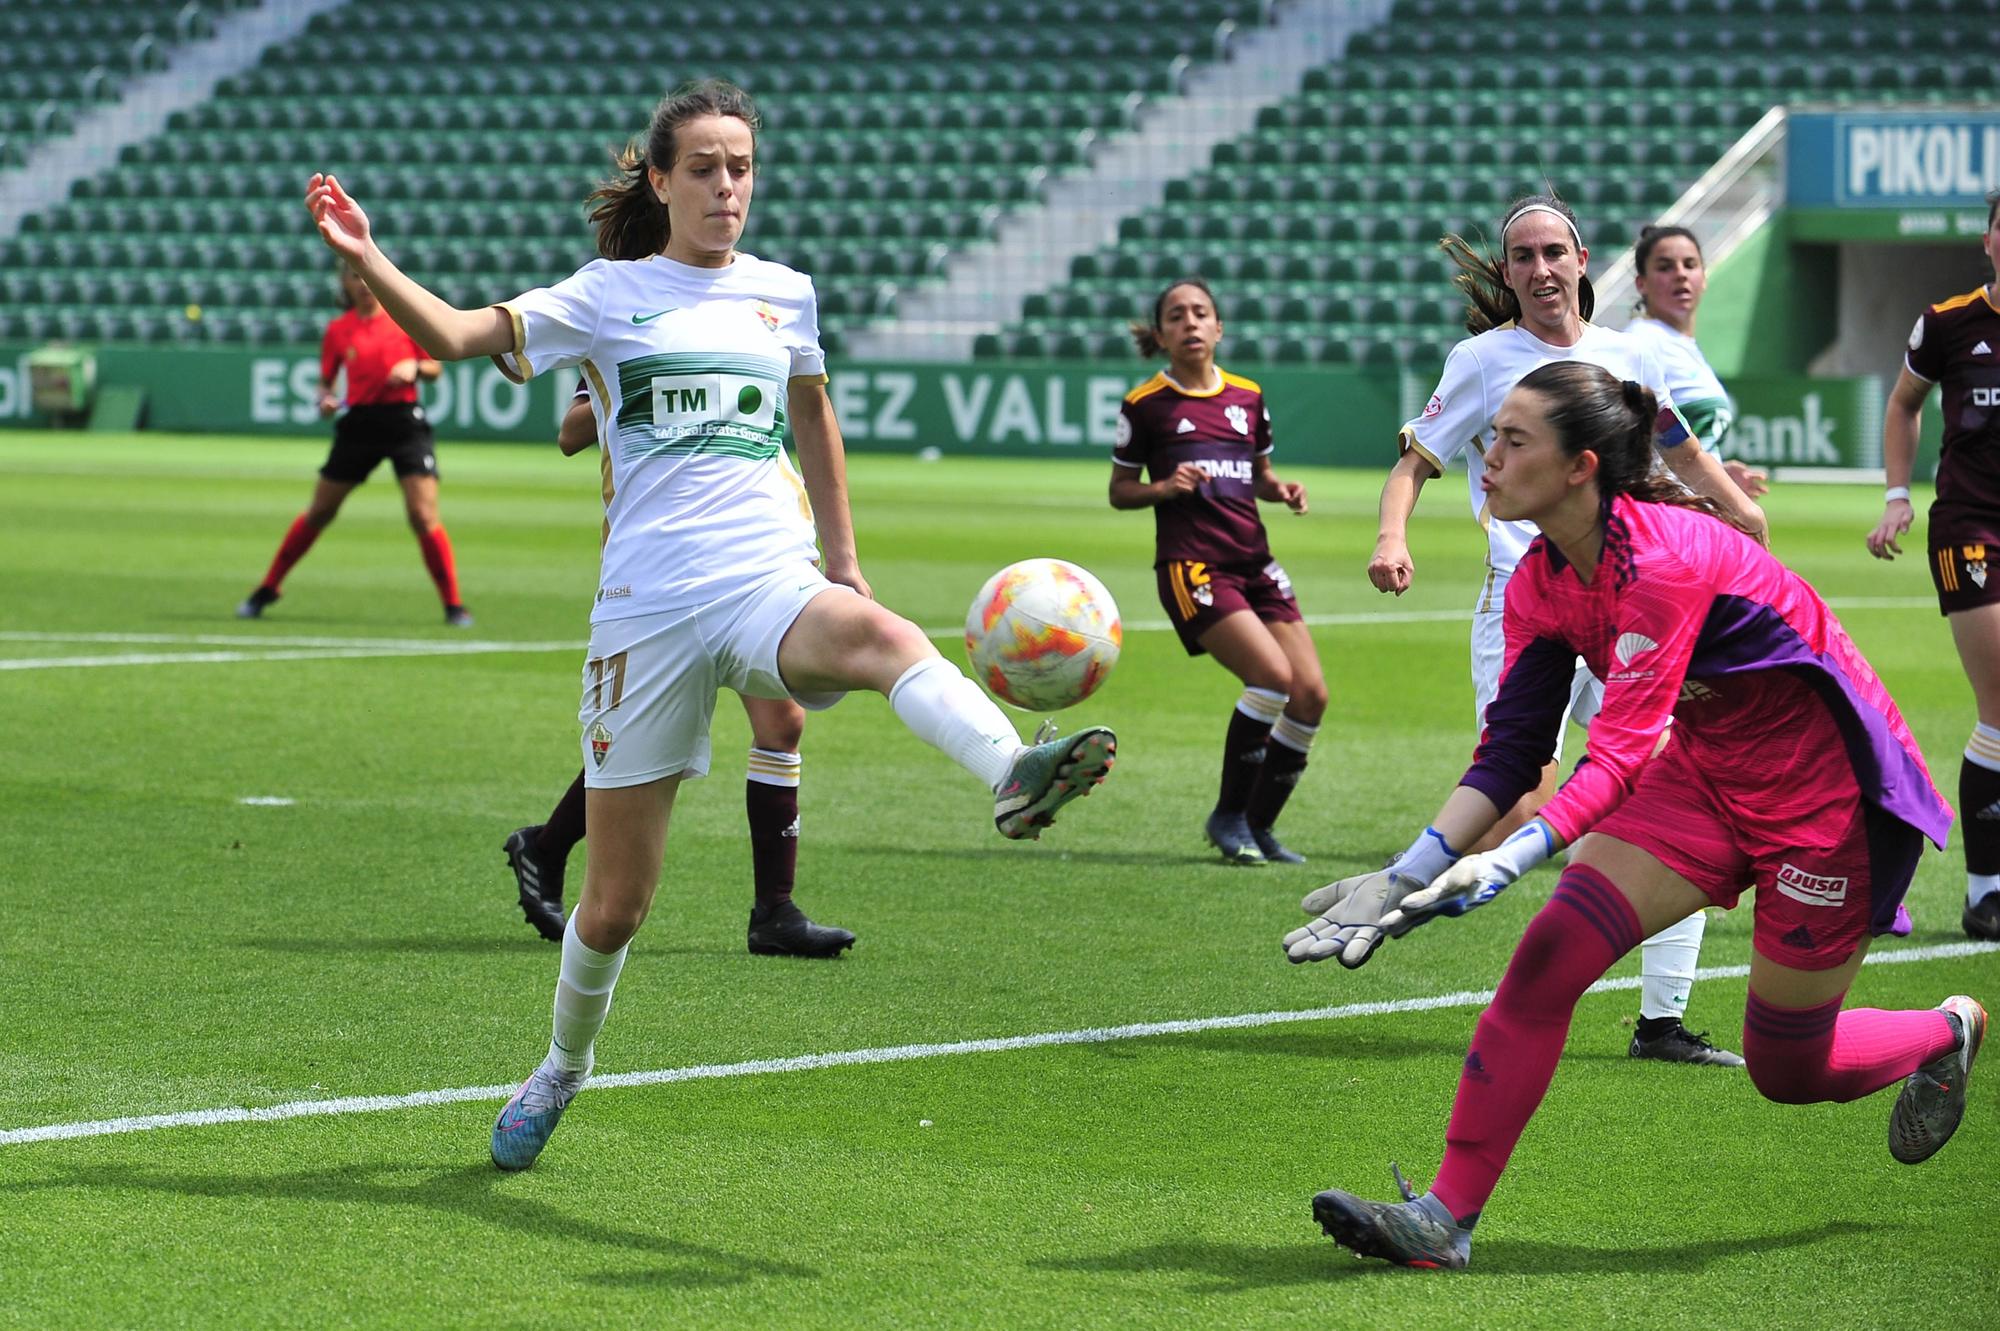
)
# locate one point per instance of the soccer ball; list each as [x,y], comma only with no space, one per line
[1042,634]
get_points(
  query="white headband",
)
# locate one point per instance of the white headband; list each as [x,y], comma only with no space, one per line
[1542,208]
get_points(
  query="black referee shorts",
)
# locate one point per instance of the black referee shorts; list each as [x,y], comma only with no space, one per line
[363,437]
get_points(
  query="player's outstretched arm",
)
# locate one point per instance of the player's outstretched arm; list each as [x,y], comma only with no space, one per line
[1357,915]
[1901,420]
[1390,568]
[444,330]
[1473,881]
[1700,471]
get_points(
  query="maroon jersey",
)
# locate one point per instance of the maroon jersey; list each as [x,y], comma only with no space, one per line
[1162,425]
[1956,345]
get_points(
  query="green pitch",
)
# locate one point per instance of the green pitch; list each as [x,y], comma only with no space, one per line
[170,948]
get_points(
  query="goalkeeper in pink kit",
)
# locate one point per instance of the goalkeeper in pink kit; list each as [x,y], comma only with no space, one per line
[1787,770]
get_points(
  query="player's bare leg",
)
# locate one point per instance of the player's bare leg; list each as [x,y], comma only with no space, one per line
[622,870]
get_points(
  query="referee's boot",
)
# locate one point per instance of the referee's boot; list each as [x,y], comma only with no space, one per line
[539,881]
[782,930]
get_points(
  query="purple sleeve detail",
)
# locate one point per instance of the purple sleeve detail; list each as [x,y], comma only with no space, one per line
[1522,722]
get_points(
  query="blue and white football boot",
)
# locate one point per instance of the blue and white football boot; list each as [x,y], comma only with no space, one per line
[529,1119]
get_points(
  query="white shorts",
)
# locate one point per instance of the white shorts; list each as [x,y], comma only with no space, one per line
[649,682]
[1489,653]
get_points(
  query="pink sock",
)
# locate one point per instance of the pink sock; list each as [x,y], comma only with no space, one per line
[1801,1056]
[1586,926]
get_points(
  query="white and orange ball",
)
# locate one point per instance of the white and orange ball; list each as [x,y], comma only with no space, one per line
[1042,634]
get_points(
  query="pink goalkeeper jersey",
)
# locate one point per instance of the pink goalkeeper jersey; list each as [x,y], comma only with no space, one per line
[1686,618]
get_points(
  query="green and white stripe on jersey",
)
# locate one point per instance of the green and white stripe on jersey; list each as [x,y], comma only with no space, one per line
[701,402]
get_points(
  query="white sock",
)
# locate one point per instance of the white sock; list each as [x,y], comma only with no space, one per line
[951,713]
[1294,734]
[1666,967]
[770,768]
[1983,747]
[1979,885]
[1264,705]
[583,997]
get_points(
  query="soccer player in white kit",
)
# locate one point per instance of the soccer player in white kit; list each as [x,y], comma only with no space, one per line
[698,357]
[1671,277]
[1529,308]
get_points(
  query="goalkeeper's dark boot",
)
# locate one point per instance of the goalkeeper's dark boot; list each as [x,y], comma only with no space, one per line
[782,930]
[1417,1231]
[1230,834]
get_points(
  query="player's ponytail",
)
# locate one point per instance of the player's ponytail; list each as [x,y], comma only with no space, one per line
[1490,302]
[1587,407]
[631,220]
[1146,336]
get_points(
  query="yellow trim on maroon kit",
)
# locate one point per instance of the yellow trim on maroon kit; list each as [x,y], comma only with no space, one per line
[1951,303]
[1148,388]
[1251,384]
[1947,572]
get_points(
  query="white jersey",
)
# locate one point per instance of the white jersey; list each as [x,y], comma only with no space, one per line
[687,370]
[1458,420]
[1702,399]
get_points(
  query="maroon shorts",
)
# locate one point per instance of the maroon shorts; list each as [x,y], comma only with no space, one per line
[1199,596]
[1829,868]
[1963,577]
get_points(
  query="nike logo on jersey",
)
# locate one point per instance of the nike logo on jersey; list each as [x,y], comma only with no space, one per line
[648,318]
[1982,350]
[1185,427]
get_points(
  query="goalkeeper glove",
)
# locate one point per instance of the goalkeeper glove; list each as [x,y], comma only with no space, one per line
[1474,880]
[1350,924]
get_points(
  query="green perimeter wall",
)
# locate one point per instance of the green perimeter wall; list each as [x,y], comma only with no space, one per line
[1027,409]
[1771,305]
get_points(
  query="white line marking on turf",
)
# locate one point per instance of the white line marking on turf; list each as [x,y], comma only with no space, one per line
[247,648]
[903,1053]
[274,801]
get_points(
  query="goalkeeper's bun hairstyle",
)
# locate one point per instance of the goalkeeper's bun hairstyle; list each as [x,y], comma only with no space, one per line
[1146,336]
[631,220]
[1588,407]
[1489,301]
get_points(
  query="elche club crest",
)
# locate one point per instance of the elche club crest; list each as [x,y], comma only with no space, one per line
[1238,419]
[768,315]
[600,743]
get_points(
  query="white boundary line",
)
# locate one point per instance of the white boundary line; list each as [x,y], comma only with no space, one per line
[904,1053]
[246,648]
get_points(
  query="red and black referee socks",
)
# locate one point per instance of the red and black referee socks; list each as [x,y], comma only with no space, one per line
[299,538]
[436,547]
